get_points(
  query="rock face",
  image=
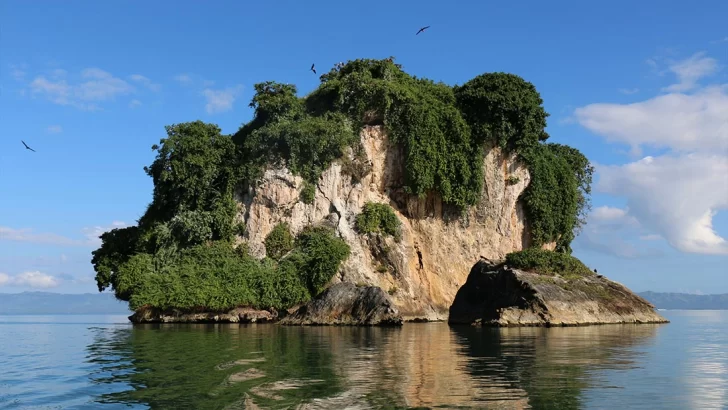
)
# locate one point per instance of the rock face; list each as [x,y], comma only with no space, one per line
[495,295]
[439,245]
[347,304]
[238,315]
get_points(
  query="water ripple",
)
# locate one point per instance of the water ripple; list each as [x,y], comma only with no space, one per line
[88,365]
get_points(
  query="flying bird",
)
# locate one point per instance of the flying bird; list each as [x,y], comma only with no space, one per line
[26,146]
[422,29]
[313,69]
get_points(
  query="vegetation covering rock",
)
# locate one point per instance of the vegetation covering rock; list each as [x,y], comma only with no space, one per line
[378,218]
[501,295]
[183,254]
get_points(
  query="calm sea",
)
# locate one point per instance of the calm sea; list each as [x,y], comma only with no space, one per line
[102,362]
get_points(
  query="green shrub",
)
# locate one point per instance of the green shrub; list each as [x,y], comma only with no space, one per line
[218,277]
[318,256]
[191,228]
[279,241]
[557,195]
[503,109]
[512,180]
[308,193]
[378,218]
[547,263]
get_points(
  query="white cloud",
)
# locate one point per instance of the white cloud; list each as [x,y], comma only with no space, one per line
[91,235]
[54,129]
[134,103]
[690,70]
[28,235]
[674,196]
[607,230]
[221,100]
[97,85]
[33,279]
[58,73]
[629,91]
[17,73]
[183,79]
[695,122]
[146,82]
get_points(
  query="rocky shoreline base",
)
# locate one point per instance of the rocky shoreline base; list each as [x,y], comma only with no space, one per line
[494,295]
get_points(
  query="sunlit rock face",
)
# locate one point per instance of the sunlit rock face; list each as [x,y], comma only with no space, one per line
[439,244]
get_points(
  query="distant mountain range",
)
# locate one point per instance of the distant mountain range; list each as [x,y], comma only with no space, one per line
[686,301]
[47,303]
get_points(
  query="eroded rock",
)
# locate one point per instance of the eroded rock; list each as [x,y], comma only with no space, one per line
[237,315]
[347,304]
[496,295]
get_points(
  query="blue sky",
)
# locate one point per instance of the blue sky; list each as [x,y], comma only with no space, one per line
[640,87]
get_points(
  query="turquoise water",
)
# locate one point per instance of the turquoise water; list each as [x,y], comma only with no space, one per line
[102,362]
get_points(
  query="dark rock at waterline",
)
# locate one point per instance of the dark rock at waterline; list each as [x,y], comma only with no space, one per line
[496,295]
[237,315]
[347,304]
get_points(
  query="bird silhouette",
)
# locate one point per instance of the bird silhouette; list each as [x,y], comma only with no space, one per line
[313,69]
[422,29]
[26,146]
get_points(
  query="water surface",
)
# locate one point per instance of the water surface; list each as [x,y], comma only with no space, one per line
[89,362]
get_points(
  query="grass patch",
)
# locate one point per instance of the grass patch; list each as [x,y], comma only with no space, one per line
[547,262]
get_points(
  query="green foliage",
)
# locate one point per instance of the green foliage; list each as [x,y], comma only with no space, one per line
[279,241]
[583,171]
[503,109]
[193,171]
[216,277]
[318,256]
[419,114]
[191,228]
[512,180]
[308,193]
[117,246]
[442,130]
[556,199]
[378,218]
[547,263]
[306,145]
[358,166]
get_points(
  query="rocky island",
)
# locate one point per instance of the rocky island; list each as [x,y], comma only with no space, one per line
[366,202]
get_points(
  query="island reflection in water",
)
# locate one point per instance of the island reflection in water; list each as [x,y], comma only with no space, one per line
[418,365]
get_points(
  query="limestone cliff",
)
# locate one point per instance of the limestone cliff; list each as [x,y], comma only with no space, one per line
[439,245]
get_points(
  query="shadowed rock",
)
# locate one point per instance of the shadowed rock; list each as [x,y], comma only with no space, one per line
[237,315]
[496,295]
[347,304]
